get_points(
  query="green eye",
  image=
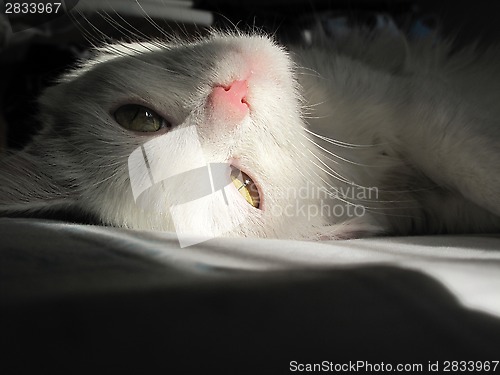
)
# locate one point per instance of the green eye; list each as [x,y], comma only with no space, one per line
[139,118]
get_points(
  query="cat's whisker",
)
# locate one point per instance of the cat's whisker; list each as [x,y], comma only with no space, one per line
[311,117]
[87,35]
[372,209]
[335,155]
[311,106]
[342,197]
[336,196]
[340,143]
[334,173]
[137,34]
[91,38]
[344,180]
[338,176]
[234,26]
[352,183]
[308,71]
[150,20]
[103,37]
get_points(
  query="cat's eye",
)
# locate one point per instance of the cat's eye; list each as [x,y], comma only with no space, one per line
[140,119]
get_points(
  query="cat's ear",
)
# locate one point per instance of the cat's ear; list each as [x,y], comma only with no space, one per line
[28,186]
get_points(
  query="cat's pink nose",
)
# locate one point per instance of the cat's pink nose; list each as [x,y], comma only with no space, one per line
[229,103]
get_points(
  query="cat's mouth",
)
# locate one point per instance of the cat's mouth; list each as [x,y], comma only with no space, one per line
[246,186]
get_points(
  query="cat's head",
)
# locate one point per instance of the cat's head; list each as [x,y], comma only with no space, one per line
[163,135]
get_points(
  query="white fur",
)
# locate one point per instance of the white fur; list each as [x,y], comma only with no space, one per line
[421,131]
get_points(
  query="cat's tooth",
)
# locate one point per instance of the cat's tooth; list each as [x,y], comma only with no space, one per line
[245,187]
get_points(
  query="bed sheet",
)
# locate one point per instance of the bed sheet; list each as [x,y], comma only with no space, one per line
[117,295]
[468,265]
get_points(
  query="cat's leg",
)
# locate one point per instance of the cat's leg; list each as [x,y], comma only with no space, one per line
[455,145]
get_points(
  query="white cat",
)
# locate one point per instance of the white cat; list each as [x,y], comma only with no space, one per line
[372,137]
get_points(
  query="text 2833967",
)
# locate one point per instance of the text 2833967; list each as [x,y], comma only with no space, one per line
[32,7]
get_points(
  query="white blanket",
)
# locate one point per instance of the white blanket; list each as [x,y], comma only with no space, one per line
[468,266]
